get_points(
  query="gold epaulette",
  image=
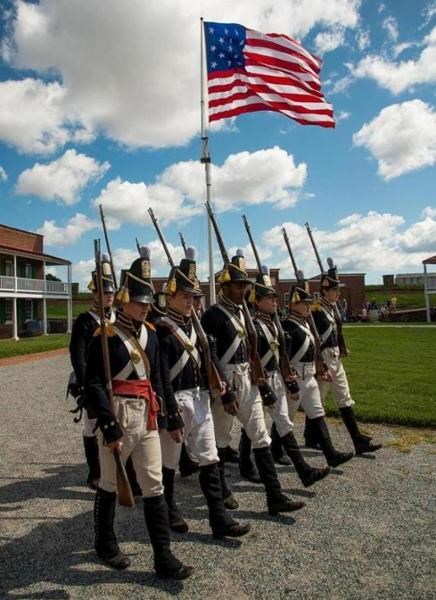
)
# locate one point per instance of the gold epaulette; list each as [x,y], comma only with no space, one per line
[315,306]
[150,325]
[110,331]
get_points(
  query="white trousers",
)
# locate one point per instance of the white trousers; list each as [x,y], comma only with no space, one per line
[198,432]
[250,412]
[339,384]
[309,395]
[140,444]
[88,425]
[280,410]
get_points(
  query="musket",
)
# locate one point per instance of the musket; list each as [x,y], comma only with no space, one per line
[106,237]
[214,380]
[182,240]
[138,247]
[257,372]
[284,364]
[320,366]
[341,340]
[125,496]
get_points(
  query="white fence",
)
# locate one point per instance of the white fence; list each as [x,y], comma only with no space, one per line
[23,284]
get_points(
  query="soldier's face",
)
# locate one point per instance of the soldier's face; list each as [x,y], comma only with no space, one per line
[302,308]
[267,304]
[333,294]
[197,303]
[108,298]
[182,302]
[137,311]
[235,291]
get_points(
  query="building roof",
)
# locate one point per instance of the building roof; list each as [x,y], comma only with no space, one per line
[430,261]
[48,258]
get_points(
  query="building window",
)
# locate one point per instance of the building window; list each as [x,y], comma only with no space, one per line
[286,298]
[28,310]
[28,271]
[315,295]
[9,268]
[8,311]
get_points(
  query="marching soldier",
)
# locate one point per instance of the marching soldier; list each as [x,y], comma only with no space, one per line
[81,336]
[225,323]
[188,404]
[132,428]
[329,326]
[285,389]
[301,353]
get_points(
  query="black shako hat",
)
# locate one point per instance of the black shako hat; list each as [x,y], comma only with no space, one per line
[262,285]
[299,292]
[235,271]
[184,276]
[136,282]
[330,280]
[106,275]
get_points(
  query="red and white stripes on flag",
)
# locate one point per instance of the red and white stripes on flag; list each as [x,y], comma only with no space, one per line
[274,72]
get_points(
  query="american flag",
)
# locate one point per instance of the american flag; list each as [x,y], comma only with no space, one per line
[249,71]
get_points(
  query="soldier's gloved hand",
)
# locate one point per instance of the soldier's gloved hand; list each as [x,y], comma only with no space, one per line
[117,445]
[177,435]
[231,407]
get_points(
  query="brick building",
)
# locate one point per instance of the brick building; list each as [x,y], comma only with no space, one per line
[24,289]
[353,292]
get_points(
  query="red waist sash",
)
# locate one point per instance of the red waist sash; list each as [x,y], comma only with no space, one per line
[143,389]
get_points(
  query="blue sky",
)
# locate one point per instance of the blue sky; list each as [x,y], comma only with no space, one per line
[99,103]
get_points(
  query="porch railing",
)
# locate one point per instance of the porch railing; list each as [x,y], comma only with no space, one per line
[23,284]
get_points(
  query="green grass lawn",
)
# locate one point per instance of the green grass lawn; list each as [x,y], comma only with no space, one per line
[392,374]
[405,298]
[58,310]
[35,344]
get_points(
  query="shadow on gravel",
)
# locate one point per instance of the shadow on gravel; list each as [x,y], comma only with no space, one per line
[58,551]
[52,487]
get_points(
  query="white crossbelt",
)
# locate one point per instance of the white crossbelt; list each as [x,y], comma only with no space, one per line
[323,337]
[190,351]
[138,367]
[272,342]
[305,345]
[97,318]
[239,325]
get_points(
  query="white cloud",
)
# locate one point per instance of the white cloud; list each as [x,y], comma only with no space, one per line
[132,75]
[363,40]
[398,77]
[375,242]
[390,25]
[327,41]
[429,211]
[266,176]
[342,115]
[3,174]
[34,118]
[62,179]
[402,138]
[70,234]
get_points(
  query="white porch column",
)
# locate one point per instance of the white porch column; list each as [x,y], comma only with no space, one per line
[44,316]
[69,302]
[44,303]
[15,273]
[426,296]
[14,319]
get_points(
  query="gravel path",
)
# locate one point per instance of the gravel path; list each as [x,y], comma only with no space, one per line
[367,531]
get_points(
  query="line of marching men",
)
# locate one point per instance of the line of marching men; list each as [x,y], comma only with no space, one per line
[163,401]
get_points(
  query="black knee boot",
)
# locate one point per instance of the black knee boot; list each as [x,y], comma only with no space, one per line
[166,565]
[361,442]
[308,475]
[91,454]
[279,455]
[246,466]
[106,543]
[176,520]
[221,523]
[276,500]
[310,435]
[230,501]
[186,465]
[333,457]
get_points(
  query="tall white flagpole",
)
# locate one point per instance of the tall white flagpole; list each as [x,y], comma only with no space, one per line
[205,159]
